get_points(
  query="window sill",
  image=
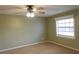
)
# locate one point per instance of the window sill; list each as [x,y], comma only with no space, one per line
[64,36]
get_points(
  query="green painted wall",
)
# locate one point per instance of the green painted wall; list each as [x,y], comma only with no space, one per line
[64,41]
[19,30]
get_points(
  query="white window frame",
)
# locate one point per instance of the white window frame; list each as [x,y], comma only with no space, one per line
[62,18]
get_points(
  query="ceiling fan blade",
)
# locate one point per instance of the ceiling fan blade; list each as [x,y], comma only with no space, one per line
[24,11]
[40,8]
[40,12]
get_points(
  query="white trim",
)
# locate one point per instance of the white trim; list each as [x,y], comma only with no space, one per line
[38,43]
[64,46]
[64,36]
[20,46]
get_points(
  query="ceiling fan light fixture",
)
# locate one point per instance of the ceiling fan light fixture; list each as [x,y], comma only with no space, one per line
[30,14]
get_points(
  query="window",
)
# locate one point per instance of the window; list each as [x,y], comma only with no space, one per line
[65,26]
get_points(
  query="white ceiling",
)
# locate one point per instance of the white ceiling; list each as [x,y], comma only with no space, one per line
[49,9]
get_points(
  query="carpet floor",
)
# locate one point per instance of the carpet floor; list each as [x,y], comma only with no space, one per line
[41,48]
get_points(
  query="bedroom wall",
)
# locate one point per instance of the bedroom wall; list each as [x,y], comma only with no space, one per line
[74,43]
[19,30]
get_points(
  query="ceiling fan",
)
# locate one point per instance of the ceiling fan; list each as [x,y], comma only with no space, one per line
[32,9]
[35,9]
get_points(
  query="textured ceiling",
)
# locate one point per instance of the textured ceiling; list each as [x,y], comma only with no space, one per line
[49,9]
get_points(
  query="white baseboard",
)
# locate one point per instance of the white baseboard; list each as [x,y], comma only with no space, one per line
[64,46]
[38,43]
[20,46]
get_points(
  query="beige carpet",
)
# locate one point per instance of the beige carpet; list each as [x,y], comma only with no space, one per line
[42,48]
